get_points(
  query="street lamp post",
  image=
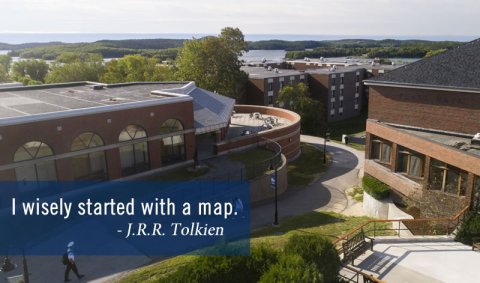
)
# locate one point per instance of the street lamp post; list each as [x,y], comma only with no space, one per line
[274,185]
[326,138]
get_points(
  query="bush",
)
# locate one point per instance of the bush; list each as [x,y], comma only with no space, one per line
[316,250]
[469,229]
[292,268]
[227,268]
[375,188]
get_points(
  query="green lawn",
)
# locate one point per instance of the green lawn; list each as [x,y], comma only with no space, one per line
[329,224]
[255,161]
[180,174]
[306,167]
[353,126]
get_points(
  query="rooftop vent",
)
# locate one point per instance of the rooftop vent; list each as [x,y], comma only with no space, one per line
[476,139]
[269,68]
[276,70]
[97,87]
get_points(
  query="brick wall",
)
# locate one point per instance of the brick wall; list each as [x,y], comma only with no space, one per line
[441,110]
[60,141]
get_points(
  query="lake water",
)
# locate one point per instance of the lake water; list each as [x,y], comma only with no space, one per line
[258,55]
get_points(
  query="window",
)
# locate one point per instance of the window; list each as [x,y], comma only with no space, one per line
[270,100]
[173,146]
[357,89]
[341,103]
[334,81]
[281,84]
[446,178]
[380,150]
[357,100]
[38,171]
[333,105]
[341,92]
[410,163]
[333,93]
[134,155]
[476,194]
[341,80]
[358,78]
[270,86]
[88,166]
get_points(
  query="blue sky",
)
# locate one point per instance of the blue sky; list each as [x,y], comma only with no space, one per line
[332,17]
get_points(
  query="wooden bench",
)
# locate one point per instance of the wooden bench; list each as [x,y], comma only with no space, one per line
[476,244]
[356,245]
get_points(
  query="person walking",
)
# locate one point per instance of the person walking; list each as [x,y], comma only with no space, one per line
[69,261]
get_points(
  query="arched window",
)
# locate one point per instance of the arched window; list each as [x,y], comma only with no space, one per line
[38,171]
[133,155]
[88,166]
[173,146]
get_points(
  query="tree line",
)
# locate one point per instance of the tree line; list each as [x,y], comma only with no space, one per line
[212,62]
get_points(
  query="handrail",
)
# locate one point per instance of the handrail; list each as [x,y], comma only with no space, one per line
[368,277]
[355,229]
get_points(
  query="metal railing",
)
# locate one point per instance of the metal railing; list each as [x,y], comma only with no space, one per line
[422,227]
[358,276]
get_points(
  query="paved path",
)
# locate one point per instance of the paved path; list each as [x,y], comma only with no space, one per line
[438,259]
[327,193]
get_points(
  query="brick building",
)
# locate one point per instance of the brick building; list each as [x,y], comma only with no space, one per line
[266,82]
[93,131]
[337,83]
[422,121]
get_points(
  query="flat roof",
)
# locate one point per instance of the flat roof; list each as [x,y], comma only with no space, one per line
[456,140]
[263,73]
[338,70]
[42,99]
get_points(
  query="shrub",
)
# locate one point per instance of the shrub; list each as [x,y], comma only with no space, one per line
[469,229]
[316,250]
[227,268]
[375,188]
[292,268]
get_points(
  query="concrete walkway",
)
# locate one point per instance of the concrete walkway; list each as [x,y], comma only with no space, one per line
[429,260]
[326,193]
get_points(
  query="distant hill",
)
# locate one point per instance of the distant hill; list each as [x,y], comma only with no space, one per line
[7,46]
[168,48]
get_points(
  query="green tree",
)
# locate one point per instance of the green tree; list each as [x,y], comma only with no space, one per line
[431,53]
[214,64]
[5,62]
[30,71]
[72,67]
[136,68]
[298,99]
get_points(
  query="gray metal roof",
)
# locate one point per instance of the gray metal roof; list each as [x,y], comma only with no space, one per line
[26,101]
[458,68]
[26,104]
[211,111]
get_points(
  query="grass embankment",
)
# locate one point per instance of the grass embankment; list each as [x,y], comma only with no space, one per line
[306,167]
[328,224]
[355,126]
[180,174]
[255,161]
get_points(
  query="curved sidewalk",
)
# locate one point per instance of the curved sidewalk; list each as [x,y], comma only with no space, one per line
[326,193]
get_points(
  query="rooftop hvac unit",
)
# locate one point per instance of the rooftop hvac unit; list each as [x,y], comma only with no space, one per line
[476,139]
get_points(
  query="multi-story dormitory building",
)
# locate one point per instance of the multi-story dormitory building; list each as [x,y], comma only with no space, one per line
[338,84]
[424,120]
